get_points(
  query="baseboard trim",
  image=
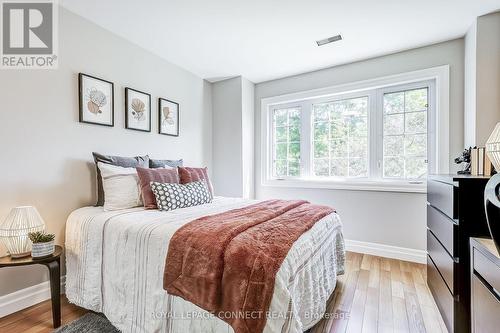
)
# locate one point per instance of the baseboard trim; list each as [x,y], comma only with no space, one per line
[27,297]
[388,251]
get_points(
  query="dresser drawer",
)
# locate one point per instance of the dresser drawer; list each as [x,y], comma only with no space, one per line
[487,269]
[444,228]
[485,308]
[441,259]
[444,197]
[442,296]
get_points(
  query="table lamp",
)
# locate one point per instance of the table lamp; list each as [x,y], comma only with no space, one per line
[15,228]
[493,147]
[492,190]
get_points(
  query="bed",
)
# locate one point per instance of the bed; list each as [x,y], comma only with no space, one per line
[115,262]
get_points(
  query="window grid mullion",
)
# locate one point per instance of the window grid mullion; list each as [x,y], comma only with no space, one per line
[348,150]
[287,142]
[329,144]
[305,139]
[376,135]
[404,134]
[273,143]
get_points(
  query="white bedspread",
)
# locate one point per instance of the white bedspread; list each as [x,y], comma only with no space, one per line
[115,263]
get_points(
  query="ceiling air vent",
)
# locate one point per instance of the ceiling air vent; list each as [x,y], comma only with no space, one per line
[329,40]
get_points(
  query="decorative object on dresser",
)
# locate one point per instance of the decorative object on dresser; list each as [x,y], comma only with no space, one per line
[43,244]
[455,212]
[53,263]
[493,147]
[16,227]
[491,201]
[492,207]
[485,286]
[96,100]
[480,162]
[168,117]
[137,110]
[464,160]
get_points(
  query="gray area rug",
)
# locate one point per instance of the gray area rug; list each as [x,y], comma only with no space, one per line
[93,323]
[89,323]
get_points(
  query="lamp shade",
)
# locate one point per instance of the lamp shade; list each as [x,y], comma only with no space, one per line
[15,228]
[493,147]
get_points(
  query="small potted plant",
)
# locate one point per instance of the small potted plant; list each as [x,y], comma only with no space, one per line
[43,244]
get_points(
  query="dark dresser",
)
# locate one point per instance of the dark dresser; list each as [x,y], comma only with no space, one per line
[485,286]
[455,212]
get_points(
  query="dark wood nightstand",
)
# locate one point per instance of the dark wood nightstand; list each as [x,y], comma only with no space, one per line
[53,263]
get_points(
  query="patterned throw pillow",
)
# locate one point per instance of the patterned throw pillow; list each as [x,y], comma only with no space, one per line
[171,196]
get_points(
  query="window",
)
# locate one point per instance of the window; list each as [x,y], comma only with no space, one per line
[370,133]
[340,140]
[405,134]
[286,142]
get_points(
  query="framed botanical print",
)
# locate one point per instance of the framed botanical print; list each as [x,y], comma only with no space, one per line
[96,100]
[137,110]
[168,117]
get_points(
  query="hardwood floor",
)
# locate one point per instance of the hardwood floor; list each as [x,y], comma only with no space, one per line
[374,295]
[38,318]
[381,295]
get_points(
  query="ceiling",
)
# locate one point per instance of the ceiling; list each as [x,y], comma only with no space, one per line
[267,39]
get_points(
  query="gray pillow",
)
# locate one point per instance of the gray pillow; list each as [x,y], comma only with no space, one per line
[153,164]
[126,162]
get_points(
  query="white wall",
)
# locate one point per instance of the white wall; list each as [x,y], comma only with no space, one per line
[227,140]
[233,133]
[487,76]
[248,136]
[470,86]
[46,152]
[482,79]
[396,219]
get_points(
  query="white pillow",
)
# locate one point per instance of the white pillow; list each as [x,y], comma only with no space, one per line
[121,187]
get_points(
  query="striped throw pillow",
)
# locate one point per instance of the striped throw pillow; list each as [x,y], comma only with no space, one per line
[160,175]
[189,175]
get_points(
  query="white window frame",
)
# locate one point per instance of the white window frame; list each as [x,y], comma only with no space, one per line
[438,130]
[431,114]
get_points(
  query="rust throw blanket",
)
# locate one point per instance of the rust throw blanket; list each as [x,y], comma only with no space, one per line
[227,263]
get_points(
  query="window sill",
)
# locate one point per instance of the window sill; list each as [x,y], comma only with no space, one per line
[353,185]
